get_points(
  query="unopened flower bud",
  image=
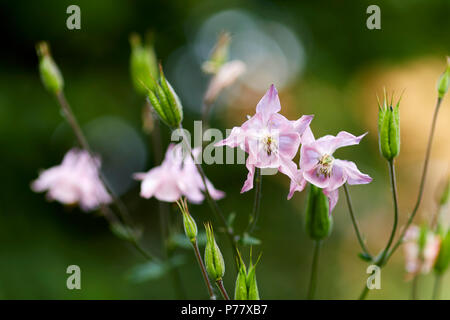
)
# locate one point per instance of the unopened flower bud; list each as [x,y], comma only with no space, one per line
[143,65]
[389,129]
[219,54]
[444,81]
[166,102]
[246,285]
[215,266]
[50,75]
[190,227]
[443,258]
[318,221]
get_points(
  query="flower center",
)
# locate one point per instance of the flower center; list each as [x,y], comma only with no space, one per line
[325,165]
[270,145]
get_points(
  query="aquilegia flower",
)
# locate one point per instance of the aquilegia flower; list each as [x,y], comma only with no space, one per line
[75,181]
[320,168]
[177,176]
[421,249]
[270,139]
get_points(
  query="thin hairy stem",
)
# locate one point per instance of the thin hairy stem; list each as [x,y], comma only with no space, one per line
[314,271]
[212,296]
[355,222]
[222,289]
[414,287]
[364,293]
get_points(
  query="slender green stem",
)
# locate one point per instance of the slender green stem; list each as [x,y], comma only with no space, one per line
[212,203]
[414,286]
[314,270]
[355,222]
[381,259]
[124,215]
[422,180]
[437,286]
[222,289]
[364,293]
[257,201]
[212,296]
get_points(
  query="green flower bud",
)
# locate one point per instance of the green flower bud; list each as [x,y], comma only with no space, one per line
[318,221]
[215,266]
[50,75]
[143,65]
[389,129]
[444,81]
[443,258]
[190,227]
[246,287]
[219,54]
[166,102]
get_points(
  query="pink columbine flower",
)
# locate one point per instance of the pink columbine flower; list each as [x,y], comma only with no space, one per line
[270,140]
[419,260]
[75,181]
[177,176]
[319,167]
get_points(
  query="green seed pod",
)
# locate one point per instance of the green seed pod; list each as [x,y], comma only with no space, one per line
[240,290]
[444,81]
[215,266]
[443,258]
[50,75]
[246,285]
[143,65]
[190,227]
[389,129]
[318,221]
[166,102]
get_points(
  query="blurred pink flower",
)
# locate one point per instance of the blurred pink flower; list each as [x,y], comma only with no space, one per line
[177,176]
[420,260]
[319,167]
[224,78]
[270,139]
[75,181]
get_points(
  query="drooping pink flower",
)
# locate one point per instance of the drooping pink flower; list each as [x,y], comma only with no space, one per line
[319,167]
[75,181]
[270,139]
[176,176]
[417,259]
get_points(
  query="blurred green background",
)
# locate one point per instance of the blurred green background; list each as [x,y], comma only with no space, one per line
[323,60]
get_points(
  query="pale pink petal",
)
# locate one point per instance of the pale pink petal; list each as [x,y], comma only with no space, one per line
[333,196]
[269,104]
[307,137]
[352,173]
[288,144]
[309,157]
[302,124]
[248,184]
[329,144]
[297,184]
[334,181]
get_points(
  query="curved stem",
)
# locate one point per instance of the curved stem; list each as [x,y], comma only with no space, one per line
[314,267]
[257,201]
[212,203]
[422,180]
[437,286]
[381,259]
[212,296]
[222,289]
[355,222]
[124,215]
[364,293]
